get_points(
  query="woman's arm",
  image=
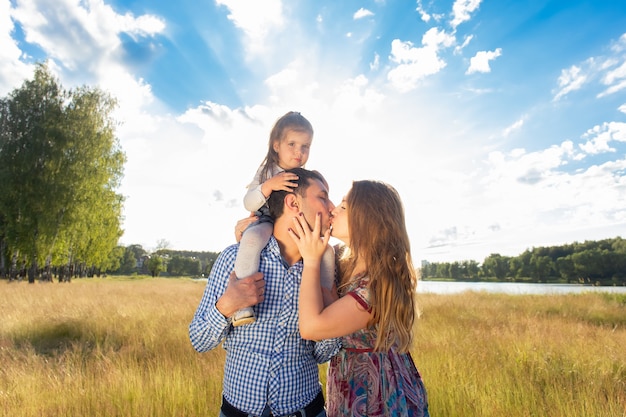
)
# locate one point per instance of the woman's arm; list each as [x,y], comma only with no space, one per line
[340,318]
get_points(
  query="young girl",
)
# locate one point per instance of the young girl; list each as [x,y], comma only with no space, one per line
[289,145]
[373,374]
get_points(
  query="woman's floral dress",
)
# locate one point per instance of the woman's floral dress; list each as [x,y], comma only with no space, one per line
[362,382]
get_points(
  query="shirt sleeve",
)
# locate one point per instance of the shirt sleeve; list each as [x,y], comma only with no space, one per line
[254,198]
[326,349]
[209,327]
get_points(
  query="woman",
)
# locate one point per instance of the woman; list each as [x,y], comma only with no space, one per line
[373,375]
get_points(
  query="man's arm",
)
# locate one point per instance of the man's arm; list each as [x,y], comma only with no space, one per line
[223,295]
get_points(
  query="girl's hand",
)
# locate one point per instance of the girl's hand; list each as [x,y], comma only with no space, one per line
[243,224]
[283,181]
[309,242]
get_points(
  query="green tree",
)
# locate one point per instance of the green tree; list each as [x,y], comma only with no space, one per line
[566,268]
[587,263]
[155,265]
[183,266]
[541,267]
[115,260]
[137,251]
[470,269]
[175,266]
[496,265]
[455,270]
[128,265]
[427,270]
[60,164]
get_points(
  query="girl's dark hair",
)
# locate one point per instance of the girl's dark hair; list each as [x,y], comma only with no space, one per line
[291,121]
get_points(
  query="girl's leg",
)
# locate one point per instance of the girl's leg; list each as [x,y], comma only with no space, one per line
[253,240]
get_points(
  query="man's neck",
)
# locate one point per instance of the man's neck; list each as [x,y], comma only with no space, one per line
[288,248]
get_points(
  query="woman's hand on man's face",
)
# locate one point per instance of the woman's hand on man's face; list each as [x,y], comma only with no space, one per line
[309,242]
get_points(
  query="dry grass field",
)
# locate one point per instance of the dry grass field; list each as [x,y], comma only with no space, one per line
[119,347]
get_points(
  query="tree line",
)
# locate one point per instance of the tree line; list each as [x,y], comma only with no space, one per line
[600,262]
[135,260]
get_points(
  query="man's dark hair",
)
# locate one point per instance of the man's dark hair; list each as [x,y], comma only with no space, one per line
[276,200]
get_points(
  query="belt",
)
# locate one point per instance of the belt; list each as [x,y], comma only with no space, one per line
[310,410]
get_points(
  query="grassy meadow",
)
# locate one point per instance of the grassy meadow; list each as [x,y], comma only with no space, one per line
[119,347]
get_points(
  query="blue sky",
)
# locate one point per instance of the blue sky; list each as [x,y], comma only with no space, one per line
[501,124]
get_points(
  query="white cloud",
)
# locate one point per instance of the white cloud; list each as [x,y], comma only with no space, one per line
[80,34]
[145,25]
[375,64]
[414,64]
[83,41]
[466,40]
[570,80]
[599,137]
[519,196]
[527,168]
[293,83]
[480,61]
[435,38]
[514,127]
[614,78]
[256,19]
[531,197]
[614,75]
[620,44]
[609,71]
[12,70]
[461,10]
[361,13]
[423,14]
[354,94]
[613,89]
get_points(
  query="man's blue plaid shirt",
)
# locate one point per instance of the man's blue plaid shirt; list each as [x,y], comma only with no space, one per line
[267,362]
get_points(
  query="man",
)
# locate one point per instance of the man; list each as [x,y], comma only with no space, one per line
[270,370]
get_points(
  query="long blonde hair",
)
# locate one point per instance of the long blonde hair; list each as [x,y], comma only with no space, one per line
[290,121]
[378,236]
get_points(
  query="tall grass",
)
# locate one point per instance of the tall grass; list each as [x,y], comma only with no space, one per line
[509,355]
[103,347]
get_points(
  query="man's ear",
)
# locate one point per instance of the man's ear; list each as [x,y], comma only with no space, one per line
[291,203]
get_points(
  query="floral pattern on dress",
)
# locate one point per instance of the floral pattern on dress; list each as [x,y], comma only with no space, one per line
[362,382]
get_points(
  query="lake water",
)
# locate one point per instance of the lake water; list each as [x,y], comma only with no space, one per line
[448,287]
